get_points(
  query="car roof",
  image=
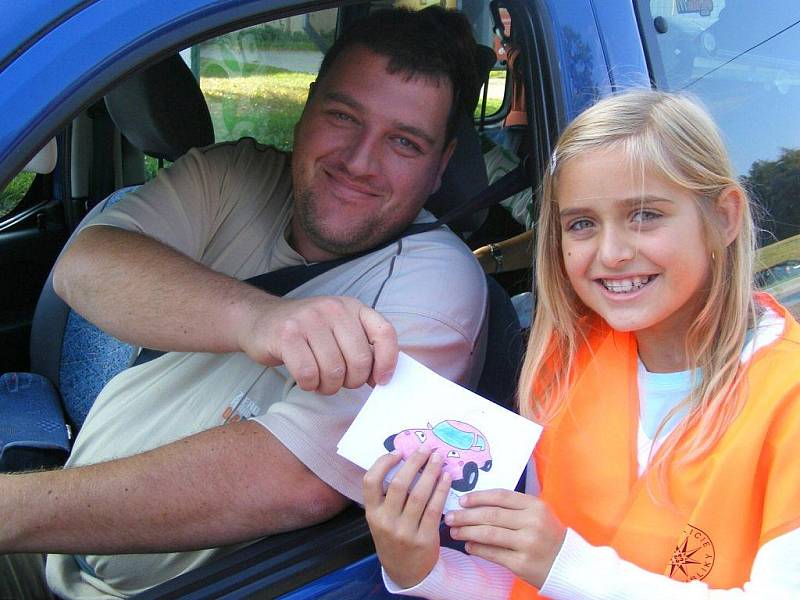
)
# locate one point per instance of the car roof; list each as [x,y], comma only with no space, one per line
[24,22]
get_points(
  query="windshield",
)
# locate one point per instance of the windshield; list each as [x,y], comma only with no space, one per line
[741,58]
[455,437]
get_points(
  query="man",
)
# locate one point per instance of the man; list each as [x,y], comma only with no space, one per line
[213,444]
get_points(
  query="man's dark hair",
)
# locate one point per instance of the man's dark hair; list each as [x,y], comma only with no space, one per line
[433,43]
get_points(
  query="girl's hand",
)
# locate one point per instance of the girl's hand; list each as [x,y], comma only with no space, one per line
[514,530]
[405,524]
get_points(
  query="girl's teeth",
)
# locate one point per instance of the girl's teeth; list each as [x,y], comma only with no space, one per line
[625,286]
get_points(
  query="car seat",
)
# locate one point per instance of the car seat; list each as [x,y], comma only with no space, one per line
[162,112]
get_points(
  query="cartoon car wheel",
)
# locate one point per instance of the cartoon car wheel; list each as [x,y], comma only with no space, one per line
[487,465]
[388,443]
[467,483]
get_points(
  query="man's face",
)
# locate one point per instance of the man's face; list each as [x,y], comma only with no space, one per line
[369,150]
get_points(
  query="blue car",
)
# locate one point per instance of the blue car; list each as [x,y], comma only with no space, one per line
[65,148]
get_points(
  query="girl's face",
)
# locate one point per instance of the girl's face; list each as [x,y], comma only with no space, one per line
[634,250]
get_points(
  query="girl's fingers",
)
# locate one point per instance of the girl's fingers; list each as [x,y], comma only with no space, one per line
[402,481]
[420,494]
[488,535]
[374,477]
[433,513]
[501,556]
[487,515]
[501,498]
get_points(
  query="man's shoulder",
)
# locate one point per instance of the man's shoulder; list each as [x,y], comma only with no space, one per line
[435,271]
[243,151]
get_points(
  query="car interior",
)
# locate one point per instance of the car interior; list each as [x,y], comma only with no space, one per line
[151,118]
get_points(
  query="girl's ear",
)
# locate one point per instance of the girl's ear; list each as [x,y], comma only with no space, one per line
[730,209]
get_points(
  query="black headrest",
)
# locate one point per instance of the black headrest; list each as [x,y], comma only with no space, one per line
[465,175]
[161,110]
[463,178]
[486,58]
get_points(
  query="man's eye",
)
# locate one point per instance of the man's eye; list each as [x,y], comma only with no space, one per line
[407,143]
[340,116]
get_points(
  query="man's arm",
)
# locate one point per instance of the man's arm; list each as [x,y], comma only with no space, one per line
[146,293]
[218,487]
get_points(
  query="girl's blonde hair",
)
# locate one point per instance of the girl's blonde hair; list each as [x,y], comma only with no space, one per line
[671,136]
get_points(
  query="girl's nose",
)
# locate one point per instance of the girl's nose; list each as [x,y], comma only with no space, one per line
[616,247]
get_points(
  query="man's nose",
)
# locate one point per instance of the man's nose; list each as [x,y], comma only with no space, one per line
[361,153]
[616,246]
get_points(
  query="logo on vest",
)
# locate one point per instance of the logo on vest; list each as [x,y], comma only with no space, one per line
[693,557]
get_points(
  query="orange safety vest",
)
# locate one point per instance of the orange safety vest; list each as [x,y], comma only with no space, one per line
[726,505]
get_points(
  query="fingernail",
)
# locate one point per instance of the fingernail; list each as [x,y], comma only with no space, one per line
[385,378]
[448,518]
[462,500]
[395,452]
[436,458]
[424,450]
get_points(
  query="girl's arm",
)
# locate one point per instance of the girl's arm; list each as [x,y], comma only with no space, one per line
[585,572]
[516,531]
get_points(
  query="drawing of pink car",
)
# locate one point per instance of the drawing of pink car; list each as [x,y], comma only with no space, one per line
[464,448]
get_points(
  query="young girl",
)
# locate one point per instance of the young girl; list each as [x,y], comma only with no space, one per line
[669,466]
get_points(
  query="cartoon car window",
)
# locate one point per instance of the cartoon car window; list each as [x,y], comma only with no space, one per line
[480,443]
[454,437]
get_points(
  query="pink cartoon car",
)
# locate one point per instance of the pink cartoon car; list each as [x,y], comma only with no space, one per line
[464,448]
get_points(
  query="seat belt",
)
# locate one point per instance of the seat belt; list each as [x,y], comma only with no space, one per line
[282,281]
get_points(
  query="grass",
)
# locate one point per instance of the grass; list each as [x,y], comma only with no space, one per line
[264,105]
[14,192]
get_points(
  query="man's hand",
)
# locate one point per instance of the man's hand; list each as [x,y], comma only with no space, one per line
[405,524]
[514,530]
[325,343]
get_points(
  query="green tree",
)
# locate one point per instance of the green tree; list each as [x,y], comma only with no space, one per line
[776,186]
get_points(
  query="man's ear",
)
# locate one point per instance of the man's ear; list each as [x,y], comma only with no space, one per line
[730,209]
[311,87]
[447,153]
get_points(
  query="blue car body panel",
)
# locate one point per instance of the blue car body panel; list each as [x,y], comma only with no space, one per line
[56,57]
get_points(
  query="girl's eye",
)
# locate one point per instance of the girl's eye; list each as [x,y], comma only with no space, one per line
[640,216]
[580,225]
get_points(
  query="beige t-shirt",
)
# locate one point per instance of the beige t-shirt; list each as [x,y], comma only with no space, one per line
[229,207]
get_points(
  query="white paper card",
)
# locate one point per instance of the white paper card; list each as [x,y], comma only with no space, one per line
[485,446]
